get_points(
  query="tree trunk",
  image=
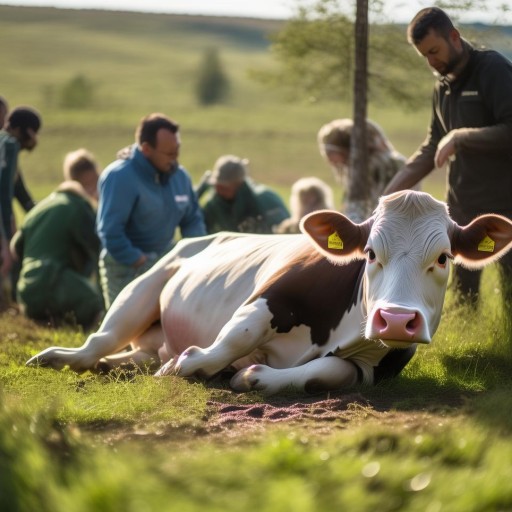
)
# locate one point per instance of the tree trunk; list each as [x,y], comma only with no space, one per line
[358,205]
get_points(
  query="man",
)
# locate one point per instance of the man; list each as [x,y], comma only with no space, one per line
[58,247]
[143,197]
[239,205]
[20,133]
[470,131]
[21,192]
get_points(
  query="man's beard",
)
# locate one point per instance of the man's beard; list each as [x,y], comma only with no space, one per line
[453,63]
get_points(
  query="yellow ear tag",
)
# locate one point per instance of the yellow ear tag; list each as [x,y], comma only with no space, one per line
[335,242]
[486,245]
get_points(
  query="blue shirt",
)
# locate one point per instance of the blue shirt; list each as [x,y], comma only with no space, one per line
[140,208]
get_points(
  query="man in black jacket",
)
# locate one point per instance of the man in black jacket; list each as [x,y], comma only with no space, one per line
[470,131]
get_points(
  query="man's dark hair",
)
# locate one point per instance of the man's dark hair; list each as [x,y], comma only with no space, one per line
[149,126]
[24,118]
[430,18]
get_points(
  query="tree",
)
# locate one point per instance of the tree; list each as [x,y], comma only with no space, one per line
[359,185]
[212,83]
[315,53]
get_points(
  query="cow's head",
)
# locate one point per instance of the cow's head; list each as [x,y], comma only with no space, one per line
[408,244]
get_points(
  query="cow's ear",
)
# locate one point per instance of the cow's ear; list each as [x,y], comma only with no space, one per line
[335,235]
[481,242]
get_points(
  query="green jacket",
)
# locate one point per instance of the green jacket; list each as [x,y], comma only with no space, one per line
[59,250]
[255,209]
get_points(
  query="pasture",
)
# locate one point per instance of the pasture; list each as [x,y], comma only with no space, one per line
[437,438]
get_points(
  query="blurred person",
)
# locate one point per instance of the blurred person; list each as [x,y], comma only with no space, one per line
[307,195]
[22,196]
[470,133]
[19,133]
[4,109]
[334,141]
[21,193]
[144,196]
[237,203]
[58,249]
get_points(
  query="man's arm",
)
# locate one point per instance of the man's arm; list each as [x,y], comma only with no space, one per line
[21,192]
[117,196]
[416,168]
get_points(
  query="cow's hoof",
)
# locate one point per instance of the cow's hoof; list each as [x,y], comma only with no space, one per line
[191,363]
[248,379]
[53,357]
[167,369]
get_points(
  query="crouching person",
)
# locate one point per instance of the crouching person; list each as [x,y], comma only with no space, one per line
[58,248]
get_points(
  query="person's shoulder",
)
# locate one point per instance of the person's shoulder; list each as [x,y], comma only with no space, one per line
[7,140]
[182,172]
[490,58]
[268,191]
[265,193]
[116,168]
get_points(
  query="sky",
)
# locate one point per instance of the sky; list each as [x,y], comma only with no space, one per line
[398,11]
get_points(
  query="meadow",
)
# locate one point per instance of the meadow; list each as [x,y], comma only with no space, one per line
[437,438]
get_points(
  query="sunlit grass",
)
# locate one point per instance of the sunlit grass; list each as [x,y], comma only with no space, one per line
[436,438]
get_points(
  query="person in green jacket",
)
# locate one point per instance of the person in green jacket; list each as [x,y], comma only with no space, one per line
[58,248]
[238,204]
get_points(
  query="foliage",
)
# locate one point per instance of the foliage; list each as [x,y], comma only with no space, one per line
[315,52]
[212,82]
[77,93]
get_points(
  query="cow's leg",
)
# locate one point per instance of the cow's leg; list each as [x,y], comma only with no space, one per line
[323,374]
[144,353]
[132,313]
[247,330]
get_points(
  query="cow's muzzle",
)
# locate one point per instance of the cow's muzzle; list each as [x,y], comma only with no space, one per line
[397,327]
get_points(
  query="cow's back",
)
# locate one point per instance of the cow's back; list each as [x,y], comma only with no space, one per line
[210,286]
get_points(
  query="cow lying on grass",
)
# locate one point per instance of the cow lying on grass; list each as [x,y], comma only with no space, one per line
[345,304]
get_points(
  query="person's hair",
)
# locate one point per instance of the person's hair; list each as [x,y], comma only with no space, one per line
[77,163]
[430,18]
[3,102]
[149,126]
[336,135]
[24,118]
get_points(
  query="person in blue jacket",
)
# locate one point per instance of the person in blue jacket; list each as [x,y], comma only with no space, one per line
[144,196]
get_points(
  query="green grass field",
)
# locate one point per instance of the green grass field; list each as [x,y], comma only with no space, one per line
[144,63]
[437,438]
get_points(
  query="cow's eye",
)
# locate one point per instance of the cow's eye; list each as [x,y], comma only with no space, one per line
[370,254]
[442,260]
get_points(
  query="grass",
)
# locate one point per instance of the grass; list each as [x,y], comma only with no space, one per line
[143,63]
[438,437]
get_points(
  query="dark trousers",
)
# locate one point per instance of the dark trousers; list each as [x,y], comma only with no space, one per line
[467,282]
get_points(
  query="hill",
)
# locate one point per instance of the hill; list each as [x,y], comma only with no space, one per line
[136,63]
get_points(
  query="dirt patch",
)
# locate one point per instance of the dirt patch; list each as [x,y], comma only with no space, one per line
[226,415]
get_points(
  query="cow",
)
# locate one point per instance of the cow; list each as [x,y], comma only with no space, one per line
[338,304]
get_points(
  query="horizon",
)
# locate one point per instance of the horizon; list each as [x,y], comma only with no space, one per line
[398,11]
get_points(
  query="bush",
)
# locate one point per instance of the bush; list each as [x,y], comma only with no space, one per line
[77,93]
[212,84]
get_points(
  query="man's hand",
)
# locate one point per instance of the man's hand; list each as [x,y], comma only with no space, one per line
[445,149]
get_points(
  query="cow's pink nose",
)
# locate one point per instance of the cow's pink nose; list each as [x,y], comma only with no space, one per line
[395,325]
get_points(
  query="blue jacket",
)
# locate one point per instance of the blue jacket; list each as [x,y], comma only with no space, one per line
[140,208]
